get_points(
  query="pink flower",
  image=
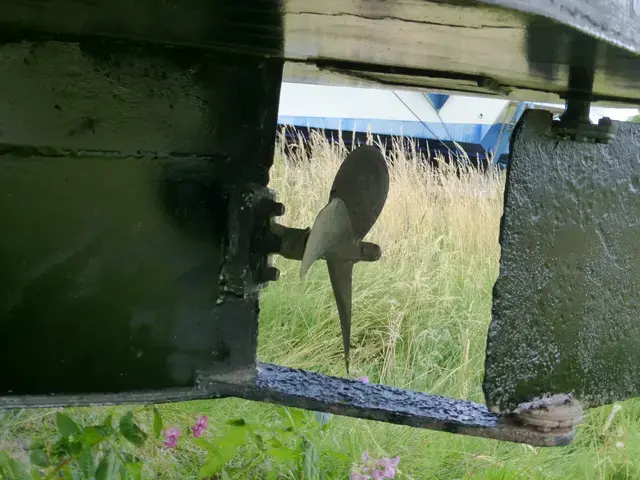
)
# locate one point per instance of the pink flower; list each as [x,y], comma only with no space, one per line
[373,469]
[378,475]
[363,379]
[172,434]
[201,425]
[389,465]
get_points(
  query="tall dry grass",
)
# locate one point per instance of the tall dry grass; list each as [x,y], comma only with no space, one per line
[423,307]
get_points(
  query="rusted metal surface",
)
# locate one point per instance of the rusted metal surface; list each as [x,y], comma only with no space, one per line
[514,48]
[313,391]
[121,268]
[567,299]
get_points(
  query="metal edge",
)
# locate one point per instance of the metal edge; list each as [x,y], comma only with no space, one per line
[298,388]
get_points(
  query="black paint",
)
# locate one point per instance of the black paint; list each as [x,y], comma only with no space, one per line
[567,299]
[119,165]
[301,388]
[313,391]
[102,289]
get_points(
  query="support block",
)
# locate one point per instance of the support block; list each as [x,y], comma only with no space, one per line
[566,302]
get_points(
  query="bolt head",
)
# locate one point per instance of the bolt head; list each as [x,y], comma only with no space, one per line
[276,209]
[604,122]
[271,274]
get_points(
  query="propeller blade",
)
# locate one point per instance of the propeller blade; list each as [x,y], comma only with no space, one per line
[357,197]
[331,228]
[341,276]
[362,183]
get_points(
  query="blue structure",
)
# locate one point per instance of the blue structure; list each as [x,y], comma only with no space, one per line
[442,123]
[502,137]
[437,100]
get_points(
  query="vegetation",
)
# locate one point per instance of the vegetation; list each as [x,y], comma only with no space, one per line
[420,321]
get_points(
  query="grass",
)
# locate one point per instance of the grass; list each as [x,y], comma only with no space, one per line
[420,320]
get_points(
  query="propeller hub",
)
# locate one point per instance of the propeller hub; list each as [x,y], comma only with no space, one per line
[370,252]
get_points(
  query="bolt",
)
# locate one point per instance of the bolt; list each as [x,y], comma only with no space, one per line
[605,122]
[271,208]
[270,274]
[277,209]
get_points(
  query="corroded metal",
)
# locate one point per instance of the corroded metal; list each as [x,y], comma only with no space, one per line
[567,298]
[575,123]
[341,396]
[129,190]
[313,391]
[550,412]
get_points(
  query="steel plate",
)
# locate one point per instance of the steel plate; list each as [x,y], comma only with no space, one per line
[120,265]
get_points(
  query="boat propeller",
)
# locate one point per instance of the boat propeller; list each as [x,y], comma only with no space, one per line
[356,199]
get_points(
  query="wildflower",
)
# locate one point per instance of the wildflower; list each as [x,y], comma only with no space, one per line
[377,475]
[366,460]
[171,437]
[373,469]
[389,466]
[363,379]
[201,425]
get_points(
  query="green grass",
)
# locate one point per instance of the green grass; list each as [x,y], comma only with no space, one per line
[420,320]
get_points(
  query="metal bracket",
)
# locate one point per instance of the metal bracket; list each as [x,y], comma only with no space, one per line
[313,391]
[574,124]
[250,212]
